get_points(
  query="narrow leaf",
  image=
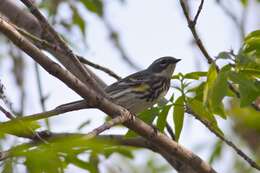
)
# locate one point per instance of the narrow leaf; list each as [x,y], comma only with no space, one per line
[216,151]
[178,116]
[248,89]
[211,77]
[195,75]
[198,108]
[218,91]
[161,122]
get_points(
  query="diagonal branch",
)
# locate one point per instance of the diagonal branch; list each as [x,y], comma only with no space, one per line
[27,21]
[8,114]
[161,141]
[116,41]
[192,26]
[139,142]
[99,67]
[107,125]
[228,142]
[72,106]
[47,45]
[79,70]
[198,12]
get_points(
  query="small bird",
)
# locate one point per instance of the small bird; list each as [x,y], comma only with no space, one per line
[143,89]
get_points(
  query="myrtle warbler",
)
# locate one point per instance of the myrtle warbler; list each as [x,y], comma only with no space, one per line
[143,89]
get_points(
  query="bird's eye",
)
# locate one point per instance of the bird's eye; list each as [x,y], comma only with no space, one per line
[163,63]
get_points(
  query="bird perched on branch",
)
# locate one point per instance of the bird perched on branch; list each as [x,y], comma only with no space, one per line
[143,89]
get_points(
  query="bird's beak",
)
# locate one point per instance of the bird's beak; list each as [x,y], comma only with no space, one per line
[177,60]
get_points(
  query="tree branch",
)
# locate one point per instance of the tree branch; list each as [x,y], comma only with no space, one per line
[107,125]
[9,115]
[161,141]
[250,161]
[28,22]
[99,67]
[115,40]
[81,70]
[192,24]
[198,13]
[192,27]
[139,142]
[45,44]
[40,90]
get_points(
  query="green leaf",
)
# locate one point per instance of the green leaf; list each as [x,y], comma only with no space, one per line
[8,166]
[95,6]
[218,91]
[198,91]
[195,75]
[124,151]
[250,71]
[172,98]
[177,76]
[211,77]
[198,108]
[248,89]
[178,116]
[244,2]
[18,127]
[252,44]
[161,122]
[78,20]
[246,117]
[147,116]
[216,152]
[72,159]
[254,34]
[43,160]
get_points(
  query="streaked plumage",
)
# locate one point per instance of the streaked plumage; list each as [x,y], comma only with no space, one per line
[143,89]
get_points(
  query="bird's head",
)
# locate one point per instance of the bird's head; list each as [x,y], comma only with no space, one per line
[163,66]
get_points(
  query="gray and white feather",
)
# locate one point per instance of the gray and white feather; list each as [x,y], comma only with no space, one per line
[143,89]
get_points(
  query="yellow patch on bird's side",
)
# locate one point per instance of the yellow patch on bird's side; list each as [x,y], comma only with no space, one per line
[142,87]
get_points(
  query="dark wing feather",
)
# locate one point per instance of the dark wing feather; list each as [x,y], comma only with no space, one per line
[131,80]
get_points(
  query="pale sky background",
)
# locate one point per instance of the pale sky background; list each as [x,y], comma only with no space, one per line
[148,30]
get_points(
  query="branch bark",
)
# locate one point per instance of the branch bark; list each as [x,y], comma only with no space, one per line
[139,142]
[27,21]
[161,141]
[192,25]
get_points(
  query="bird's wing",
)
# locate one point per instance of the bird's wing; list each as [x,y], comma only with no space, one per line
[135,80]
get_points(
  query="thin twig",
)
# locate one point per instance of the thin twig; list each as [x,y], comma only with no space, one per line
[198,12]
[4,98]
[170,131]
[72,106]
[139,142]
[161,141]
[99,67]
[107,125]
[8,114]
[192,27]
[40,90]
[228,142]
[13,118]
[210,60]
[79,70]
[116,41]
[46,44]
